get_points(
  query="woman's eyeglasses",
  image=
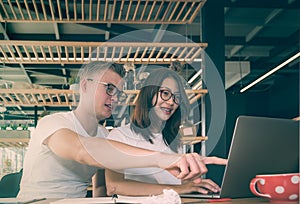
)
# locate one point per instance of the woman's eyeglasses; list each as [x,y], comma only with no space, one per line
[112,90]
[166,94]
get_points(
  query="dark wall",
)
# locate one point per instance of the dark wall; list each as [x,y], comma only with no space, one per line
[213,14]
[280,100]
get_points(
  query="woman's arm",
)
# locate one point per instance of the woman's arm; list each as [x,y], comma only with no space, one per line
[98,184]
[117,184]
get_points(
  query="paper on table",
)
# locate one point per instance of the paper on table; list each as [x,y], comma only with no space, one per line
[121,199]
[18,200]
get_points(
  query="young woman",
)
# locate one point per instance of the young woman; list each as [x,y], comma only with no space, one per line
[161,106]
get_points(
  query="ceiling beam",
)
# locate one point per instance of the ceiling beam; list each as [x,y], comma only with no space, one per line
[255,31]
[286,4]
[3,31]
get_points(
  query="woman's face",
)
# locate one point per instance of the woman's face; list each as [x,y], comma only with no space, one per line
[164,109]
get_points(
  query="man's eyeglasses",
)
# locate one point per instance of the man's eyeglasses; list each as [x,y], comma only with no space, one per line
[166,94]
[112,90]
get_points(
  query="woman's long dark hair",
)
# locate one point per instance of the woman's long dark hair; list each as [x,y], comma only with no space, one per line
[142,118]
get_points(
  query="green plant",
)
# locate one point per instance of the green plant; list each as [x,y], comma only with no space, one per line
[73,80]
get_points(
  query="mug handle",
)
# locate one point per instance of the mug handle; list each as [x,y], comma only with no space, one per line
[254,190]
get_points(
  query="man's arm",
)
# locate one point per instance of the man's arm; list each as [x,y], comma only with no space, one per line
[115,155]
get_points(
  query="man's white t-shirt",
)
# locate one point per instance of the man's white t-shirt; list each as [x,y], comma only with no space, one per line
[47,175]
[126,135]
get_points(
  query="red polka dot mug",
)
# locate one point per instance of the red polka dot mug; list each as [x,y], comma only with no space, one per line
[276,187]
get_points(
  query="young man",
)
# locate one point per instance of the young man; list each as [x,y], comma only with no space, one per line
[66,149]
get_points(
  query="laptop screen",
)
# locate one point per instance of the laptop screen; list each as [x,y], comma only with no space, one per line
[259,146]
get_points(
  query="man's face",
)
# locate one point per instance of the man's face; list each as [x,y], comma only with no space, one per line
[103,103]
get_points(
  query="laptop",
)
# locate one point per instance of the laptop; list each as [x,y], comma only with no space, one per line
[259,146]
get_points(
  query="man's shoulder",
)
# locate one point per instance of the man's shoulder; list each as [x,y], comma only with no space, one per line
[58,115]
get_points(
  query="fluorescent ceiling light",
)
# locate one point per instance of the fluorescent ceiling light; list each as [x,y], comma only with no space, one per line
[270,72]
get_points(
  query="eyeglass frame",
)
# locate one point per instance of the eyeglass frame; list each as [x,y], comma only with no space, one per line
[172,95]
[119,93]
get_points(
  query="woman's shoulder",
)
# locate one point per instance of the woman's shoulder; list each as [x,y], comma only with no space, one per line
[123,133]
[122,130]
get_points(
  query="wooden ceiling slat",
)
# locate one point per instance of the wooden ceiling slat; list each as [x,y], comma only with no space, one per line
[113,52]
[67,10]
[36,102]
[3,99]
[159,53]
[128,10]
[82,10]
[144,11]
[189,53]
[197,53]
[188,12]
[27,53]
[66,53]
[128,54]
[20,9]
[43,53]
[75,10]
[181,11]
[182,52]
[51,10]
[91,10]
[19,52]
[158,11]
[12,9]
[26,98]
[136,10]
[19,98]
[175,53]
[90,53]
[174,10]
[74,53]
[58,98]
[121,10]
[136,53]
[151,54]
[5,11]
[11,52]
[28,10]
[4,53]
[50,98]
[12,100]
[113,11]
[35,53]
[97,53]
[144,53]
[195,13]
[167,53]
[50,53]
[121,53]
[58,54]
[105,10]
[98,10]
[167,11]
[36,10]
[151,10]
[44,10]
[82,53]
[59,10]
